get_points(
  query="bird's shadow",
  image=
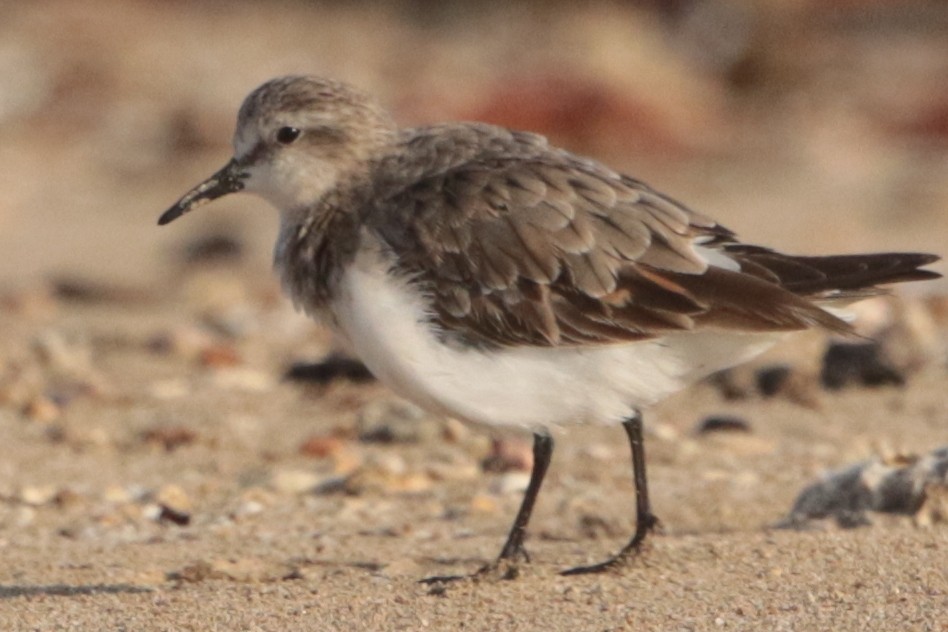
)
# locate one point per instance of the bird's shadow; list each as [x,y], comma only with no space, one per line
[66,590]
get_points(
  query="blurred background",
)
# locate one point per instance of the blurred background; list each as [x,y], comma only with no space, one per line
[810,125]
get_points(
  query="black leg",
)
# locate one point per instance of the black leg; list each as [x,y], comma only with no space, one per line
[645,520]
[542,453]
[514,551]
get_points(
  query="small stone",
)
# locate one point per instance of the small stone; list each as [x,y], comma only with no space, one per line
[722,423]
[42,409]
[507,455]
[730,383]
[117,495]
[384,473]
[511,483]
[243,379]
[175,505]
[665,432]
[249,508]
[934,509]
[321,446]
[168,514]
[457,469]
[294,481]
[484,504]
[455,431]
[771,379]
[37,495]
[335,367]
[219,356]
[396,421]
[169,437]
[847,495]
[859,364]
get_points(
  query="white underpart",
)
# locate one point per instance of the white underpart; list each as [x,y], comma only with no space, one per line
[384,319]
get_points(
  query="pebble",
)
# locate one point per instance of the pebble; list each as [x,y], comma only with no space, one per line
[174,497]
[294,481]
[169,437]
[174,505]
[725,423]
[321,446]
[484,503]
[218,356]
[507,455]
[772,379]
[396,421]
[244,379]
[37,495]
[458,468]
[386,472]
[117,494]
[858,364]
[510,483]
[335,367]
[892,486]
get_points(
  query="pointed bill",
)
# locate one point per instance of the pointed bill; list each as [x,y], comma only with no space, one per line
[227,180]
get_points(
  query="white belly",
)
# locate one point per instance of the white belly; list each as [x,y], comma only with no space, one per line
[528,387]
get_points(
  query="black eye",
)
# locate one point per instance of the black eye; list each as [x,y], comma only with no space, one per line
[286,135]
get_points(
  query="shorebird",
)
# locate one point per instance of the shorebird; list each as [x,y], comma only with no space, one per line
[486,275]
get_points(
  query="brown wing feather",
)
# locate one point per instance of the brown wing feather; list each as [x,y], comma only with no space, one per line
[538,247]
[836,274]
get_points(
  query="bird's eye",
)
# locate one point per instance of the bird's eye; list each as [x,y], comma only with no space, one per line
[286,135]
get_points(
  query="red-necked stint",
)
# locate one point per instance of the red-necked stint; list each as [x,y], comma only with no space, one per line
[486,275]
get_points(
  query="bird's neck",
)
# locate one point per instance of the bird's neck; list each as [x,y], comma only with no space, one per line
[313,248]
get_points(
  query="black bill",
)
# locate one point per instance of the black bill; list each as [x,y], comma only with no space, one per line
[227,180]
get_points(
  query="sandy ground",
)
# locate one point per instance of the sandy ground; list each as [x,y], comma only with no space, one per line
[157,472]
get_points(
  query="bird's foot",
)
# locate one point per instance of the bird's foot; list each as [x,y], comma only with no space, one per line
[623,558]
[614,564]
[503,568]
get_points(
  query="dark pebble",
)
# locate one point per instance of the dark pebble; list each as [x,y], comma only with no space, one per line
[722,424]
[174,516]
[335,367]
[859,364]
[770,379]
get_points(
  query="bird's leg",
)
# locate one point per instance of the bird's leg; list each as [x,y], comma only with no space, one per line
[542,453]
[513,552]
[645,520]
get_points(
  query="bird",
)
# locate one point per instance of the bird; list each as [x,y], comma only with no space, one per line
[489,276]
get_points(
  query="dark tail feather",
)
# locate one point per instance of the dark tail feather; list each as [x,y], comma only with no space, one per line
[845,274]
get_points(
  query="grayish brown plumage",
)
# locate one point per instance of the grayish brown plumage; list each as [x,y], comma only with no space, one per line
[523,257]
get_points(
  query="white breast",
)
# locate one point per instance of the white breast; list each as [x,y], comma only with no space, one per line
[384,318]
